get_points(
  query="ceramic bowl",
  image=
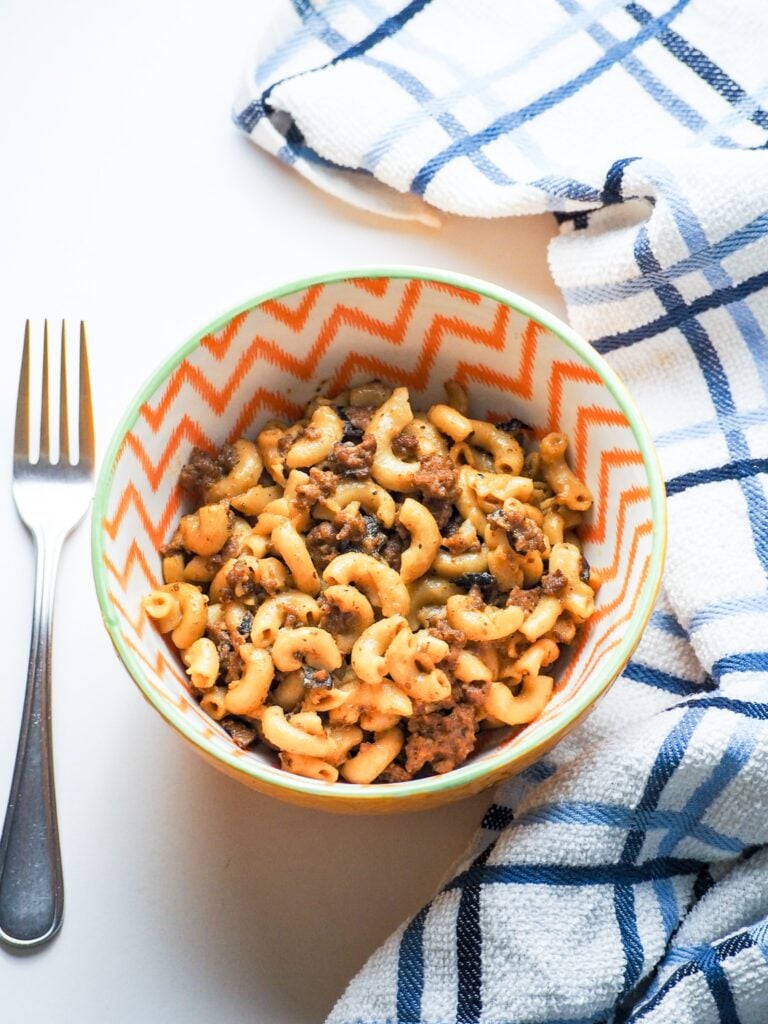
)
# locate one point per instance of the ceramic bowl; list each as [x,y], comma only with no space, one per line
[412,326]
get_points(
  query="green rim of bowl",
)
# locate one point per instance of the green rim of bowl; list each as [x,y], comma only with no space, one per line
[460,777]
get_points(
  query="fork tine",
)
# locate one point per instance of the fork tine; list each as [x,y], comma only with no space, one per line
[85,412]
[21,434]
[44,424]
[63,413]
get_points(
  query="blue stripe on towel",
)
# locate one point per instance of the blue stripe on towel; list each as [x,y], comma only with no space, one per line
[570,875]
[469,951]
[410,970]
[740,469]
[683,313]
[663,680]
[700,64]
[508,122]
[748,708]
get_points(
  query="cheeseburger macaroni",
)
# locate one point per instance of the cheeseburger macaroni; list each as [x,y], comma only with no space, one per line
[368,590]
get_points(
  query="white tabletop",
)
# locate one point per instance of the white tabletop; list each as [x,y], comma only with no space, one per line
[128,198]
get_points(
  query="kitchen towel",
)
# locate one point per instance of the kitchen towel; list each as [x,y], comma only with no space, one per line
[625,877]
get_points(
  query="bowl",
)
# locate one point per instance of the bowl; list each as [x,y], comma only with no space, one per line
[406,325]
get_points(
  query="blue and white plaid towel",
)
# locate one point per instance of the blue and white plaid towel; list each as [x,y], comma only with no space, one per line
[624,879]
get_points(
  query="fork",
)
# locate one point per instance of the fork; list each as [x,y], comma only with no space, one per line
[51,499]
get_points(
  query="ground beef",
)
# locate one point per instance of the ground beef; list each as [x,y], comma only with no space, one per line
[393,547]
[442,741]
[461,693]
[475,693]
[553,582]
[242,733]
[230,663]
[476,599]
[322,544]
[525,599]
[240,582]
[563,631]
[230,550]
[285,441]
[321,484]
[335,621]
[457,544]
[442,512]
[394,773]
[350,528]
[324,480]
[205,468]
[174,546]
[358,415]
[405,445]
[455,638]
[288,439]
[526,535]
[354,460]
[437,478]
[426,707]
[439,628]
[354,532]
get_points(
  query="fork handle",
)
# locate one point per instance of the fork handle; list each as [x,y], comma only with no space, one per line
[31,883]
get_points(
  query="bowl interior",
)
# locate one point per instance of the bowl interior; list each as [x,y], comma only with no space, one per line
[407,327]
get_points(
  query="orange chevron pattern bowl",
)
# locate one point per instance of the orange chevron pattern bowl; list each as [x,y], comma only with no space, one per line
[408,326]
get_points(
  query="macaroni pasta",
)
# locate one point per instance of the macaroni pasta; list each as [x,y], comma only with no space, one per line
[367,590]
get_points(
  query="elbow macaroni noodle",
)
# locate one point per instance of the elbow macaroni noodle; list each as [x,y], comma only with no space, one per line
[373,586]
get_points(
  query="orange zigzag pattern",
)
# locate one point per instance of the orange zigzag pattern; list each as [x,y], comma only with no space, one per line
[254,405]
[642,530]
[560,373]
[377,286]
[418,378]
[588,416]
[600,650]
[138,623]
[134,557]
[155,531]
[632,496]
[522,384]
[218,347]
[393,331]
[161,664]
[614,458]
[296,319]
[217,398]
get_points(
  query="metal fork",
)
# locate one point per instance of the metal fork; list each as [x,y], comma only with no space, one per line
[51,499]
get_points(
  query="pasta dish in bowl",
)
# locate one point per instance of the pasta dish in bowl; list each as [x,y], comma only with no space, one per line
[377,541]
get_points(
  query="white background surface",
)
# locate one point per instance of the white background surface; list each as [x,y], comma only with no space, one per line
[128,198]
